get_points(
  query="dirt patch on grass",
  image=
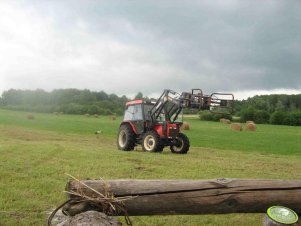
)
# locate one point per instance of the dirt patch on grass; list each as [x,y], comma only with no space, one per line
[18,216]
[136,161]
[140,168]
[17,135]
[28,135]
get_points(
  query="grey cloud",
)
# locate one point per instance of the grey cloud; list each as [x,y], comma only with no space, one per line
[253,45]
[220,45]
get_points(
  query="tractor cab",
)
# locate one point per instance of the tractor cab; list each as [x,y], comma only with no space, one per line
[139,114]
[137,110]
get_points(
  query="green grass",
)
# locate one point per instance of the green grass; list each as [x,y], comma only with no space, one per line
[36,154]
[267,139]
[60,123]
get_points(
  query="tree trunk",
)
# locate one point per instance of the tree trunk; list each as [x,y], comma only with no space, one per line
[163,197]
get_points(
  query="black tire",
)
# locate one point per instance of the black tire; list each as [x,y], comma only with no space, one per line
[160,149]
[151,142]
[126,138]
[183,145]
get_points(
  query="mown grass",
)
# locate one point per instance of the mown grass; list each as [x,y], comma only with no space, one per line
[36,154]
[267,139]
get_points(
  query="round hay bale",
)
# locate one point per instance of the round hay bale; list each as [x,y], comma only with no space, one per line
[95,115]
[30,117]
[236,126]
[251,126]
[247,122]
[87,115]
[113,117]
[185,126]
[225,121]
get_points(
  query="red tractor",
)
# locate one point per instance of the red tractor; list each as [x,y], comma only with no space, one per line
[156,124]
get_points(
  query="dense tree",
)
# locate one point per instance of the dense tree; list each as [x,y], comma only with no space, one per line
[276,109]
[86,97]
[248,114]
[138,96]
[278,118]
[293,118]
[208,116]
[70,101]
[270,103]
[261,116]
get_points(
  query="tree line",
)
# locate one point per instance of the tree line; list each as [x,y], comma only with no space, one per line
[68,101]
[275,109]
[278,109]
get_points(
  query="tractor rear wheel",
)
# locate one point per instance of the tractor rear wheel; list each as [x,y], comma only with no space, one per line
[183,145]
[151,142]
[126,138]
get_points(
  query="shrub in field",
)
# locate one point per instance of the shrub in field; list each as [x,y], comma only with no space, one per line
[107,112]
[72,108]
[261,116]
[293,119]
[93,109]
[206,116]
[217,117]
[236,119]
[278,118]
[247,114]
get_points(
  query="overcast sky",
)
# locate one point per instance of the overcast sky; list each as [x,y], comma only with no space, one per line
[123,47]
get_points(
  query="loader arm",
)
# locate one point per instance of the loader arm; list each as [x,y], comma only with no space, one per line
[170,104]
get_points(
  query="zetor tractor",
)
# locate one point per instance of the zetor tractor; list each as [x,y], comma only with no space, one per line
[156,124]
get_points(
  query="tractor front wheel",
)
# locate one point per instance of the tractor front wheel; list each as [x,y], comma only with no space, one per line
[126,138]
[151,142]
[182,146]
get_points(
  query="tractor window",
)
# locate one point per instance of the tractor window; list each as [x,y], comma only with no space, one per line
[133,112]
[161,117]
[138,112]
[147,113]
[178,119]
[128,114]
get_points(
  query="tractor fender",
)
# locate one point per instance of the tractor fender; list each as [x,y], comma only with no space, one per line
[131,124]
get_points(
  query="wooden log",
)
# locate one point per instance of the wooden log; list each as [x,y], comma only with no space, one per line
[164,197]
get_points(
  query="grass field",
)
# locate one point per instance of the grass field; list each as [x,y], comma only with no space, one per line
[36,154]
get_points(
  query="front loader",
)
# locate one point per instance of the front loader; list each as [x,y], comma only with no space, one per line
[156,124]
